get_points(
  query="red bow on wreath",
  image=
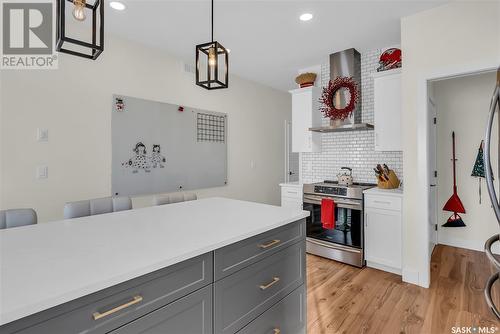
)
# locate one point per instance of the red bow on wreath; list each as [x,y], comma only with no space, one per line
[327,98]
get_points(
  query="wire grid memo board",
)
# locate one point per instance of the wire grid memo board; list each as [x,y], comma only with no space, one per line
[211,127]
[161,147]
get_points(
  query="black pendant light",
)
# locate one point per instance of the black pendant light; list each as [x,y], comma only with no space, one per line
[212,63]
[73,46]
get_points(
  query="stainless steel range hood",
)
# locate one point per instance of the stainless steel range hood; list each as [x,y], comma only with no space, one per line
[346,63]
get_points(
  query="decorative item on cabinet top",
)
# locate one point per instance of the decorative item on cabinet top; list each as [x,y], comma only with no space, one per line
[214,72]
[73,46]
[306,79]
[390,59]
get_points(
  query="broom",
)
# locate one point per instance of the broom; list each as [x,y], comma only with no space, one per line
[454,204]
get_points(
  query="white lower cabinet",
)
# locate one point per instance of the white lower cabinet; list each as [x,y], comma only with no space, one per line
[383,232]
[291,195]
[291,203]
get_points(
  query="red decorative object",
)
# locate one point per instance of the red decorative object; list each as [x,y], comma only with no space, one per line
[119,104]
[390,59]
[181,109]
[327,98]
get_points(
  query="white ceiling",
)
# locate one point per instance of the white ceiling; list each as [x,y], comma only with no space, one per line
[267,40]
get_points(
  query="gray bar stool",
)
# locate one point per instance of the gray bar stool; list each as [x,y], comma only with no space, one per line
[17,217]
[96,206]
[174,198]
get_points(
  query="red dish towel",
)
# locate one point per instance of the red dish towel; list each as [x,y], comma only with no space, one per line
[328,213]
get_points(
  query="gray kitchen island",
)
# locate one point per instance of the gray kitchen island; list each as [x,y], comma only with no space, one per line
[214,265]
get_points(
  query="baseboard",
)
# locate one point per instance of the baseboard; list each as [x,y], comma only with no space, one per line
[410,276]
[413,276]
[477,245]
[383,267]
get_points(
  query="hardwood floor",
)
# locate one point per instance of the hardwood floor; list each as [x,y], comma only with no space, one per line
[344,299]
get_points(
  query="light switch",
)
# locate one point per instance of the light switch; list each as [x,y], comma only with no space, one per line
[42,172]
[252,164]
[42,135]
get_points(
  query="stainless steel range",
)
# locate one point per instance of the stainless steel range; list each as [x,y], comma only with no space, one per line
[345,242]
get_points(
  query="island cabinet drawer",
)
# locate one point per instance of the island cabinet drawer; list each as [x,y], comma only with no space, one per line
[111,308]
[287,316]
[243,296]
[232,258]
[191,314]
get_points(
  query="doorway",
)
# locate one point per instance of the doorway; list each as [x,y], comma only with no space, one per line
[291,158]
[463,110]
[433,175]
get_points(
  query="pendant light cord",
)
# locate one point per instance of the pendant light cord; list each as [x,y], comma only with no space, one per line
[212,20]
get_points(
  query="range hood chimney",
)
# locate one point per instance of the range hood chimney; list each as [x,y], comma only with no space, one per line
[346,63]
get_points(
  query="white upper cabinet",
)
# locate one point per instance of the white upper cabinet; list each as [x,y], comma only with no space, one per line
[305,115]
[387,96]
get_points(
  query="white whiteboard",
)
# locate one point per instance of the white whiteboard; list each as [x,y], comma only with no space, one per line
[160,147]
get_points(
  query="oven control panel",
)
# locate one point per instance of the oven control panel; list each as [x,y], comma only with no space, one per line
[330,190]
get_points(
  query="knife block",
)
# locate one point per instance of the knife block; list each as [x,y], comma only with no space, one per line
[393,182]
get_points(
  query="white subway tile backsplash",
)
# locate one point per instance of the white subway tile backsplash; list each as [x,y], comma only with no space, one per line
[351,149]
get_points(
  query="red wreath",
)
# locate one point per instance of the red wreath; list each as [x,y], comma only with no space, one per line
[327,97]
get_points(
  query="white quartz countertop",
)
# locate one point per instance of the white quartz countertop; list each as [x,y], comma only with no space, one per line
[292,184]
[387,192]
[48,264]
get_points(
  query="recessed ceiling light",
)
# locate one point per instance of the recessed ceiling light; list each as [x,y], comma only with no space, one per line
[117,5]
[306,17]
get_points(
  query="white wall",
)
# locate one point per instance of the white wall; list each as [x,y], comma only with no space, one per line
[456,36]
[461,105]
[74,103]
[1,127]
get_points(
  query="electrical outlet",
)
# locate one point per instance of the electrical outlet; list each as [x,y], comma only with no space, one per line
[42,172]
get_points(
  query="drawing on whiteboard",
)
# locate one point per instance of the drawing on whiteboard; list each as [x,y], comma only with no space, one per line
[157,160]
[176,148]
[139,161]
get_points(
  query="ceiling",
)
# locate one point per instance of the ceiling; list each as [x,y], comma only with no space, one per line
[267,40]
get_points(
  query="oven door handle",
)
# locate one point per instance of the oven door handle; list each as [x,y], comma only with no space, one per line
[338,202]
[312,199]
[333,245]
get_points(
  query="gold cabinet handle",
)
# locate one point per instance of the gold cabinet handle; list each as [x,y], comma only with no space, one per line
[270,284]
[99,315]
[277,331]
[270,244]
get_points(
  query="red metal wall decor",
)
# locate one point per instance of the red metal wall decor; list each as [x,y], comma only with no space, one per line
[390,59]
